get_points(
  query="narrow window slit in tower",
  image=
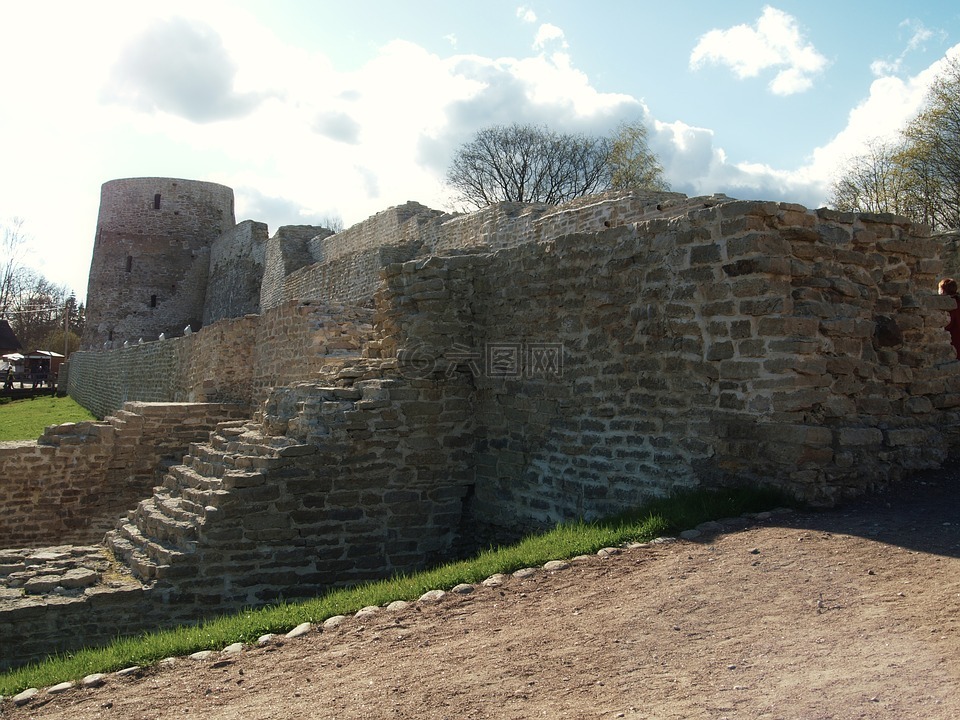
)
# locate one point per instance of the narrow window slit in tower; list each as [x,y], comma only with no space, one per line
[156,201]
[129,263]
[153,301]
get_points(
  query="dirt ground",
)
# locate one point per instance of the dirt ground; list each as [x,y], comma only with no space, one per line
[851,613]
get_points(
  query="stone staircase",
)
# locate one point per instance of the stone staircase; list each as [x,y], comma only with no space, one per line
[331,483]
[156,538]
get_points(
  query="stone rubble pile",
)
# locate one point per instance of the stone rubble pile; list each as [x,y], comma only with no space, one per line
[65,570]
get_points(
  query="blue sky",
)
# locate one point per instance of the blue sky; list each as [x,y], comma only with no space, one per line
[318,109]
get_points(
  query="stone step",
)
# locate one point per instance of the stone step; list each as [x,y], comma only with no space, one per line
[206,452]
[249,439]
[157,553]
[236,446]
[181,477]
[204,498]
[118,545]
[257,462]
[220,442]
[214,464]
[231,427]
[132,556]
[243,479]
[206,460]
[177,507]
[157,526]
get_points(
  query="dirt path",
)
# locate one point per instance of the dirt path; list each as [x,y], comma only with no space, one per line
[853,613]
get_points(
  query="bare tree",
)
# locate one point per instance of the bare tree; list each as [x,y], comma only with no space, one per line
[527,163]
[14,275]
[39,311]
[875,181]
[332,221]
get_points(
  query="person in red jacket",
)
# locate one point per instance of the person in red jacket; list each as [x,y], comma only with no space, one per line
[948,286]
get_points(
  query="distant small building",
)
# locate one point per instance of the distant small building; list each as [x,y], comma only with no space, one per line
[43,367]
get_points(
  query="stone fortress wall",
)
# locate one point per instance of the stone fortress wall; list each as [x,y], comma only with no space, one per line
[236,268]
[689,331]
[436,381]
[950,252]
[747,341]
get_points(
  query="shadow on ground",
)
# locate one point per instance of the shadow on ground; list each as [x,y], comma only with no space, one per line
[921,513]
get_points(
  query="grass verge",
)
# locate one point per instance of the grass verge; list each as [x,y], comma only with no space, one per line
[656,519]
[27,419]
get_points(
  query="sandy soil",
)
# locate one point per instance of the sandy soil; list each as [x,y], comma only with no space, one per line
[851,613]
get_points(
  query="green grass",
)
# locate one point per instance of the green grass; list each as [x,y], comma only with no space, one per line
[26,419]
[659,518]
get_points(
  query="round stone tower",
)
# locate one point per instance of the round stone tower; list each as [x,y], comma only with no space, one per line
[151,257]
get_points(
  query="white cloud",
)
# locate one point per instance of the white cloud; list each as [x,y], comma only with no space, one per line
[890,104]
[694,164]
[338,126]
[313,141]
[548,33]
[919,36]
[774,42]
[180,67]
[526,14]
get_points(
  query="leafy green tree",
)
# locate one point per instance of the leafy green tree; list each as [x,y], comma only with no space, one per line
[919,175]
[933,149]
[632,165]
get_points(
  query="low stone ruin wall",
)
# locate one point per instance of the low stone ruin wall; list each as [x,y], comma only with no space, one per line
[234,361]
[78,479]
[368,481]
[213,366]
[80,611]
[37,628]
